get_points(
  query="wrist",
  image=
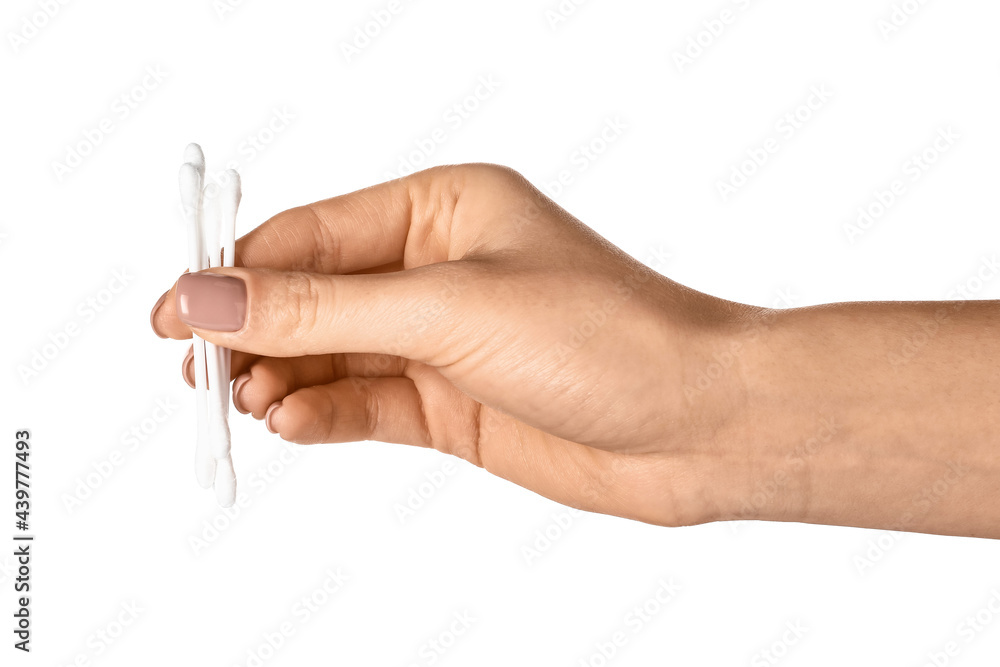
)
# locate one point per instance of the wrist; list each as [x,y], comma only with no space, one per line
[837,427]
[713,432]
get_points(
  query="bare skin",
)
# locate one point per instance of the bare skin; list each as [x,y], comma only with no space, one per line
[461,309]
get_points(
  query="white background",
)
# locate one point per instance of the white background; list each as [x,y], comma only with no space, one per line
[779,240]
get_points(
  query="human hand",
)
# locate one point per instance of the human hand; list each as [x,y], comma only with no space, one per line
[461,309]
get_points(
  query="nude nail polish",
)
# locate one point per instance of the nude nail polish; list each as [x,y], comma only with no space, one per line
[267,416]
[237,388]
[211,301]
[152,314]
[187,367]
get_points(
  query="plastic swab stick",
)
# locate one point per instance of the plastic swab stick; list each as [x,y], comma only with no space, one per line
[229,204]
[225,482]
[224,214]
[198,259]
[218,394]
[211,223]
[194,155]
[191,195]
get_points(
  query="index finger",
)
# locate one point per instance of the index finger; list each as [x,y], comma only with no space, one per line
[353,232]
[343,234]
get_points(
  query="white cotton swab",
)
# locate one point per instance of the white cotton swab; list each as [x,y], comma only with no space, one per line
[191,178]
[223,228]
[218,394]
[219,438]
[204,462]
[211,223]
[228,203]
[225,482]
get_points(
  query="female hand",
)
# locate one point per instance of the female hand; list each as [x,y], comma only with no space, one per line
[461,309]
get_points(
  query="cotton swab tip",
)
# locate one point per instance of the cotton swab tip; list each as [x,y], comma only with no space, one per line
[205,469]
[194,155]
[210,214]
[190,184]
[234,187]
[219,438]
[225,482]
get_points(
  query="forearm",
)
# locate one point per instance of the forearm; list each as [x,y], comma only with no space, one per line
[882,415]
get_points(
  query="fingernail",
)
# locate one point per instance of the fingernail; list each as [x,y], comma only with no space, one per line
[211,301]
[187,367]
[237,387]
[152,314]
[268,414]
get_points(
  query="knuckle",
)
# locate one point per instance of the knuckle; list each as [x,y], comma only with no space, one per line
[491,171]
[327,254]
[271,375]
[303,301]
[372,409]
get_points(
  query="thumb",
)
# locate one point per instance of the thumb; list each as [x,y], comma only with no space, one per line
[293,313]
